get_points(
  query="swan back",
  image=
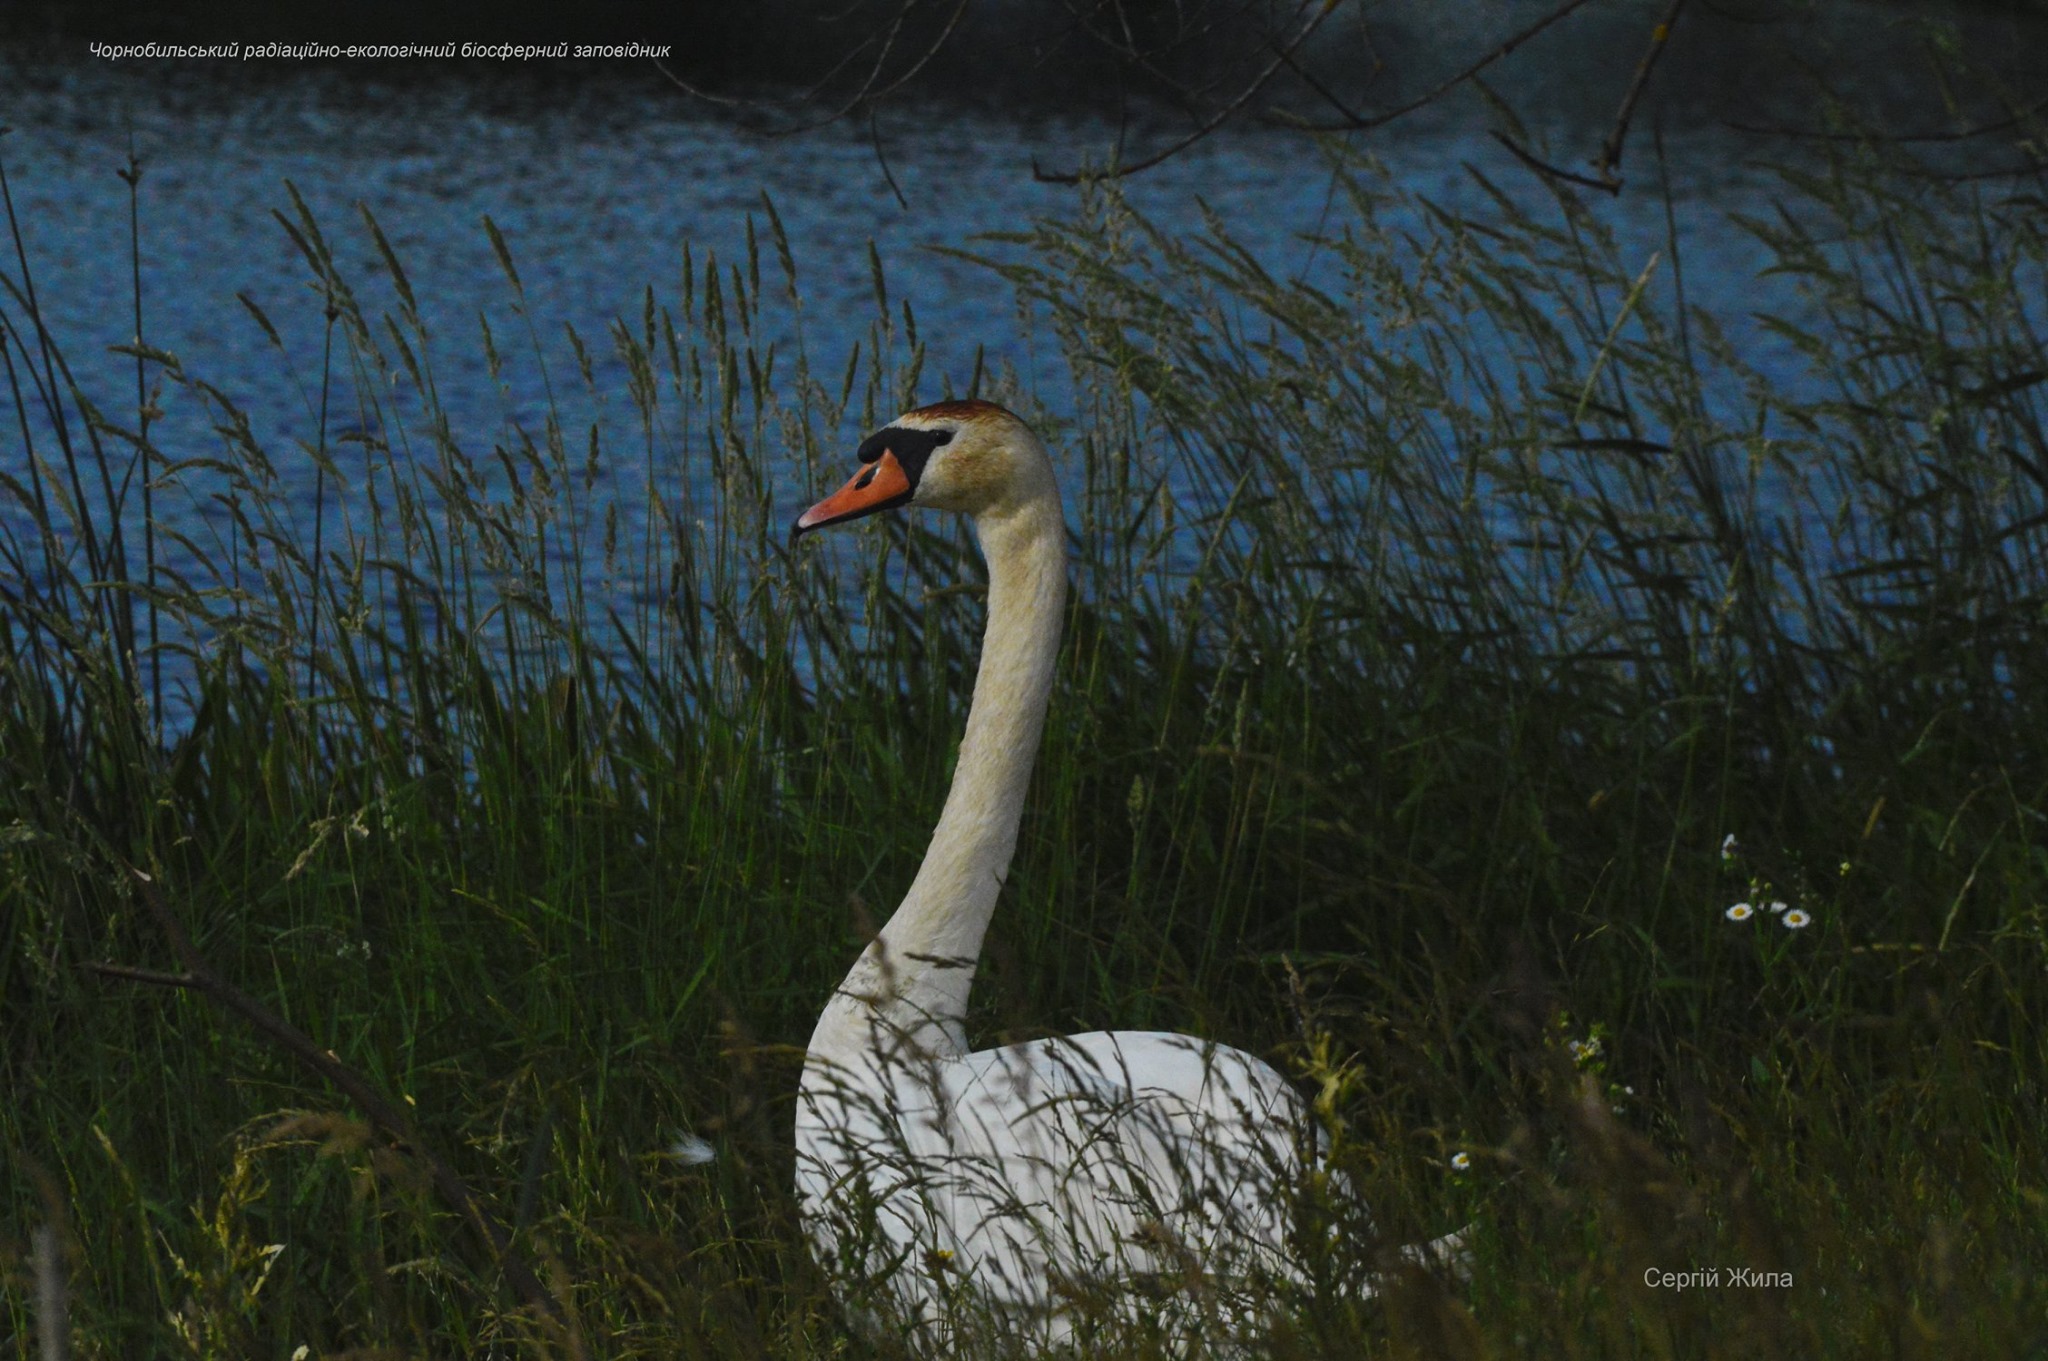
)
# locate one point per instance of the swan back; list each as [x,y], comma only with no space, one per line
[1033,1189]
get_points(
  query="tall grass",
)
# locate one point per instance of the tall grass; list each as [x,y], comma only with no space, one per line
[1431,635]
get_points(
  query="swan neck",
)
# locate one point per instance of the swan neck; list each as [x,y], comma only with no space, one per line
[910,985]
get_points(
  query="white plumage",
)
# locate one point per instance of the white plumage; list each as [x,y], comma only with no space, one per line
[1021,1192]
[1016,1191]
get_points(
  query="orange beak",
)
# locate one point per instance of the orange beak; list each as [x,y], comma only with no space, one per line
[879,486]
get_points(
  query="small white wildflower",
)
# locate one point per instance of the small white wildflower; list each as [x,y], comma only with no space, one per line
[1798,919]
[1460,1161]
[691,1151]
[1729,847]
[1741,912]
[1779,907]
[1585,1051]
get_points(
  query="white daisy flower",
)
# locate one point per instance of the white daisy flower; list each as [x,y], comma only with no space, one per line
[1741,912]
[1585,1051]
[1460,1161]
[1779,907]
[1729,847]
[1798,919]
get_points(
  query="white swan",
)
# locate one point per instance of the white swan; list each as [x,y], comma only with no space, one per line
[1028,1190]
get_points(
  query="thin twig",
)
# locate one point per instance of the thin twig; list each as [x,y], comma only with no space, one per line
[875,139]
[154,978]
[2007,172]
[1543,167]
[1130,55]
[1330,96]
[691,90]
[1610,150]
[1215,121]
[1449,83]
[871,87]
[383,1113]
[871,92]
[1807,134]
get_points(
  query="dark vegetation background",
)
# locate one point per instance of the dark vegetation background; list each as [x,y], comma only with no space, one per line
[1398,740]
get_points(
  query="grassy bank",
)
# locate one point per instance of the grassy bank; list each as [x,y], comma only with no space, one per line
[1432,638]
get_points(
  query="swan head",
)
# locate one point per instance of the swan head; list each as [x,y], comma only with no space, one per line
[973,457]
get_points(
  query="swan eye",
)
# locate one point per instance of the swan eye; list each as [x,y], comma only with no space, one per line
[911,446]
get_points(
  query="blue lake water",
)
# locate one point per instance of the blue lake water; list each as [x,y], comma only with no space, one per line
[597,200]
[597,203]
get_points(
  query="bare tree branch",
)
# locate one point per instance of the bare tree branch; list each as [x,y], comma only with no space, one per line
[1609,162]
[1129,54]
[1330,96]
[1543,167]
[871,88]
[1215,120]
[691,90]
[1444,87]
[1209,59]
[870,91]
